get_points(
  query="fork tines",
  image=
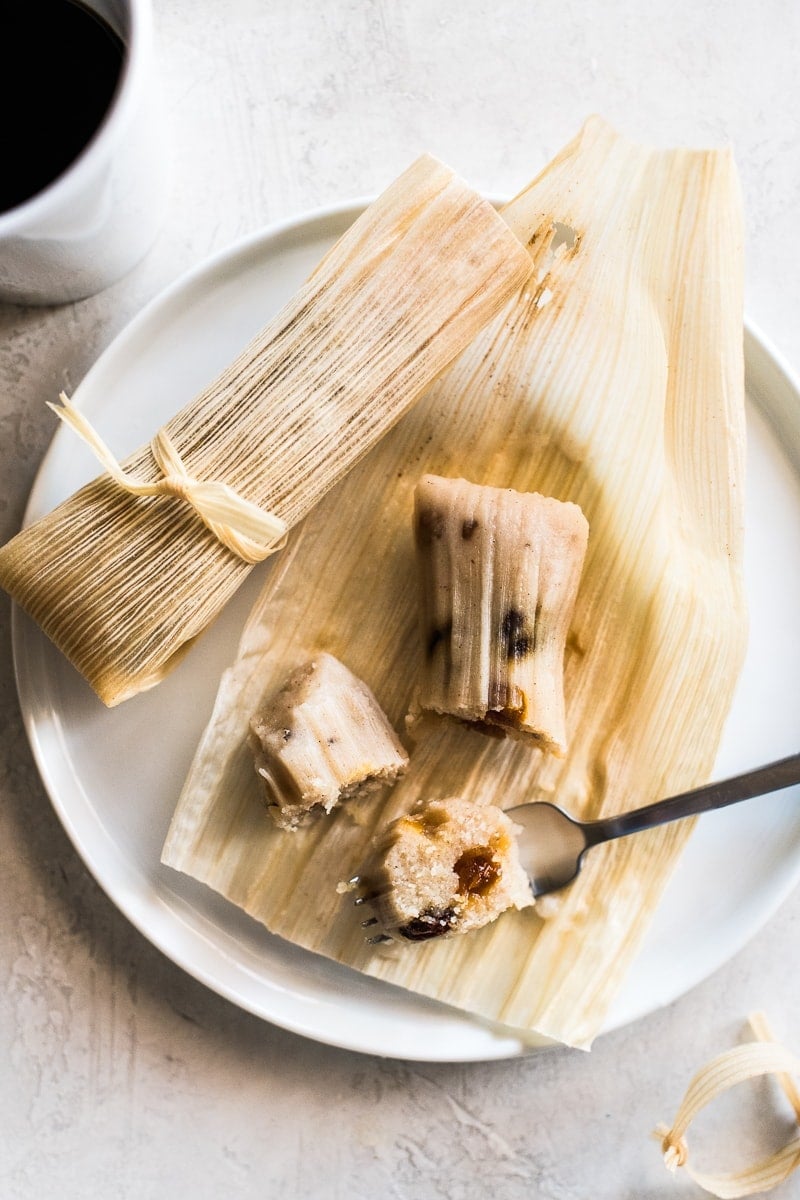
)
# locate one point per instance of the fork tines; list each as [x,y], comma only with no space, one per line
[367,898]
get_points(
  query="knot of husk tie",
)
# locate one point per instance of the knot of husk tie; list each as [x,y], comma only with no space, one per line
[246,530]
[762,1057]
[673,1148]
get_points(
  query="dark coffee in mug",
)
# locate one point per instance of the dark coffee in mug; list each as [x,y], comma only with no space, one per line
[60,66]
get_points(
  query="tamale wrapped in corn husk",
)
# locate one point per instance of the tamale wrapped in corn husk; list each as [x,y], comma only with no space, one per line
[124,583]
[615,381]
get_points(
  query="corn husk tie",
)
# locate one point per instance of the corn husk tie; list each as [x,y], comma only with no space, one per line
[762,1057]
[245,529]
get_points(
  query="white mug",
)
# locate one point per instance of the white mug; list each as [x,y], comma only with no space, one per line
[95,221]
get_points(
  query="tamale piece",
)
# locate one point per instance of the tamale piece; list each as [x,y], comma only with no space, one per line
[451,866]
[499,573]
[614,380]
[124,583]
[322,739]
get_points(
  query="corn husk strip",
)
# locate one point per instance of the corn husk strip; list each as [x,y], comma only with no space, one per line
[124,584]
[750,1061]
[624,393]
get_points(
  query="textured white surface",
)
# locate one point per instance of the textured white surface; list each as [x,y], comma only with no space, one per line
[121,1077]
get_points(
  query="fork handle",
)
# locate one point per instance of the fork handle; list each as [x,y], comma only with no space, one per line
[760,782]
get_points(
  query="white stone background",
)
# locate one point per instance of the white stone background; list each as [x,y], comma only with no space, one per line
[120,1076]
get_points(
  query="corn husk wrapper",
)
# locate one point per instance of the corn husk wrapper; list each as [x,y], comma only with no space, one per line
[124,584]
[616,383]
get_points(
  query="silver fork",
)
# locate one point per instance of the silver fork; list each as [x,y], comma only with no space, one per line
[553,844]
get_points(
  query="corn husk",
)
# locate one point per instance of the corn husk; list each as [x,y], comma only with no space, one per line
[123,584]
[752,1060]
[616,382]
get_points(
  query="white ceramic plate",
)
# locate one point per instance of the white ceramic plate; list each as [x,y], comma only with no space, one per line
[114,775]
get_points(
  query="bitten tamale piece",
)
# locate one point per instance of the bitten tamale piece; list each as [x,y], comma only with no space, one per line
[448,867]
[322,738]
[499,574]
[125,574]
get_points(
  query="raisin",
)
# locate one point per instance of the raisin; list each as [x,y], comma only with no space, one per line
[428,821]
[477,870]
[429,924]
[430,526]
[516,639]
